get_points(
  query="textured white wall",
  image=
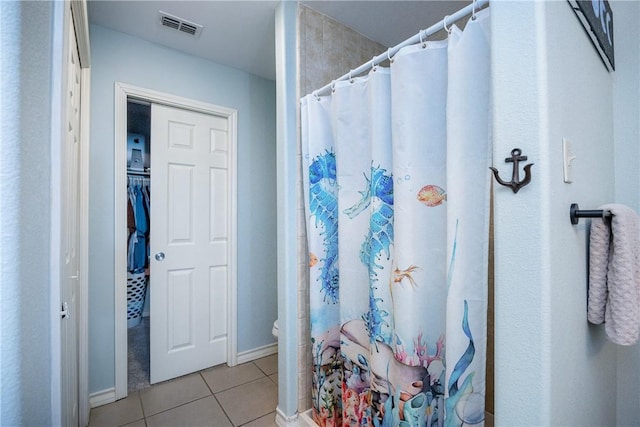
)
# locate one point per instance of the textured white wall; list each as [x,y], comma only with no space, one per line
[286,101]
[626,107]
[552,367]
[626,121]
[25,196]
[10,404]
[521,342]
[580,107]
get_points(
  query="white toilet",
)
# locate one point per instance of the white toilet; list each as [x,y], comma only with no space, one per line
[274,330]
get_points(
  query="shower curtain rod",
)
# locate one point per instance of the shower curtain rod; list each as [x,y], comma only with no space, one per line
[421,36]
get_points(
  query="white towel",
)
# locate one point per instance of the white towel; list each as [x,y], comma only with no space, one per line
[614,274]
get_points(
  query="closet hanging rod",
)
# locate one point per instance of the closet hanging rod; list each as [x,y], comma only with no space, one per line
[422,35]
[138,173]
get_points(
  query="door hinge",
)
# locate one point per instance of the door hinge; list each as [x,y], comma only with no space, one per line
[65,310]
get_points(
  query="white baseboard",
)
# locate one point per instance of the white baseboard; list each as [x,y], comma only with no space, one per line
[283,421]
[305,419]
[103,397]
[257,353]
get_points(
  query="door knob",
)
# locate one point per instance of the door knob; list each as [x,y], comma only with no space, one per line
[159,256]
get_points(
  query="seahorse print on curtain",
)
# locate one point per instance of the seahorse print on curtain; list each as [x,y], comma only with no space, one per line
[397,181]
[323,205]
[376,244]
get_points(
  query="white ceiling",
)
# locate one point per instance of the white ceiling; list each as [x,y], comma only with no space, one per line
[240,33]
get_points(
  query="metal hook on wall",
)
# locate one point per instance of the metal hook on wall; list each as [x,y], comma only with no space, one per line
[515,183]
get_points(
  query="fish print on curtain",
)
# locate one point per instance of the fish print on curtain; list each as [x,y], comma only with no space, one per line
[397,184]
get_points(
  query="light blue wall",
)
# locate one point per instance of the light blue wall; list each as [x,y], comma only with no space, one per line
[26,346]
[117,57]
[626,119]
[287,133]
[580,107]
[552,366]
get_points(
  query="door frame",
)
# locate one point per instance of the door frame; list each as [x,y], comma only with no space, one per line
[124,91]
[72,15]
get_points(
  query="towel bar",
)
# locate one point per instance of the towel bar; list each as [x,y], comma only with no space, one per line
[575,213]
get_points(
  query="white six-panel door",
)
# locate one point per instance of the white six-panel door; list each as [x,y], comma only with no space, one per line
[189,241]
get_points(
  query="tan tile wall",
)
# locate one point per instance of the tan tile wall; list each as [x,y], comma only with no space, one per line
[326,51]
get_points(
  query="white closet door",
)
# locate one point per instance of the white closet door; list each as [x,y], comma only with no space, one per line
[189,241]
[70,238]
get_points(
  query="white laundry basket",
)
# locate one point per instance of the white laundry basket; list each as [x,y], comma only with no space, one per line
[136,292]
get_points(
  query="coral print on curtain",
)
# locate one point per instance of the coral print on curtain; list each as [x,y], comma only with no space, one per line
[397,182]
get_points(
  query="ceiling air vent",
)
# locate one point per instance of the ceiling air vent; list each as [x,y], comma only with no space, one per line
[180,24]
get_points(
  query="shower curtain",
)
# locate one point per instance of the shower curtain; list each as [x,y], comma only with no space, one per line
[397,190]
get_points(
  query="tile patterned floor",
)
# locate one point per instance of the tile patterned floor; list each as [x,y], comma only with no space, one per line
[245,395]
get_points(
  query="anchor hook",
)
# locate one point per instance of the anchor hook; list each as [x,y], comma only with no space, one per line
[515,182]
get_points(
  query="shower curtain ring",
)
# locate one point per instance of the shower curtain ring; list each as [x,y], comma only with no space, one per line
[315,94]
[373,64]
[424,43]
[389,56]
[444,23]
[350,78]
[473,11]
[333,86]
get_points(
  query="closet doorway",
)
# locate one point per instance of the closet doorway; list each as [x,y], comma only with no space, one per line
[138,233]
[189,257]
